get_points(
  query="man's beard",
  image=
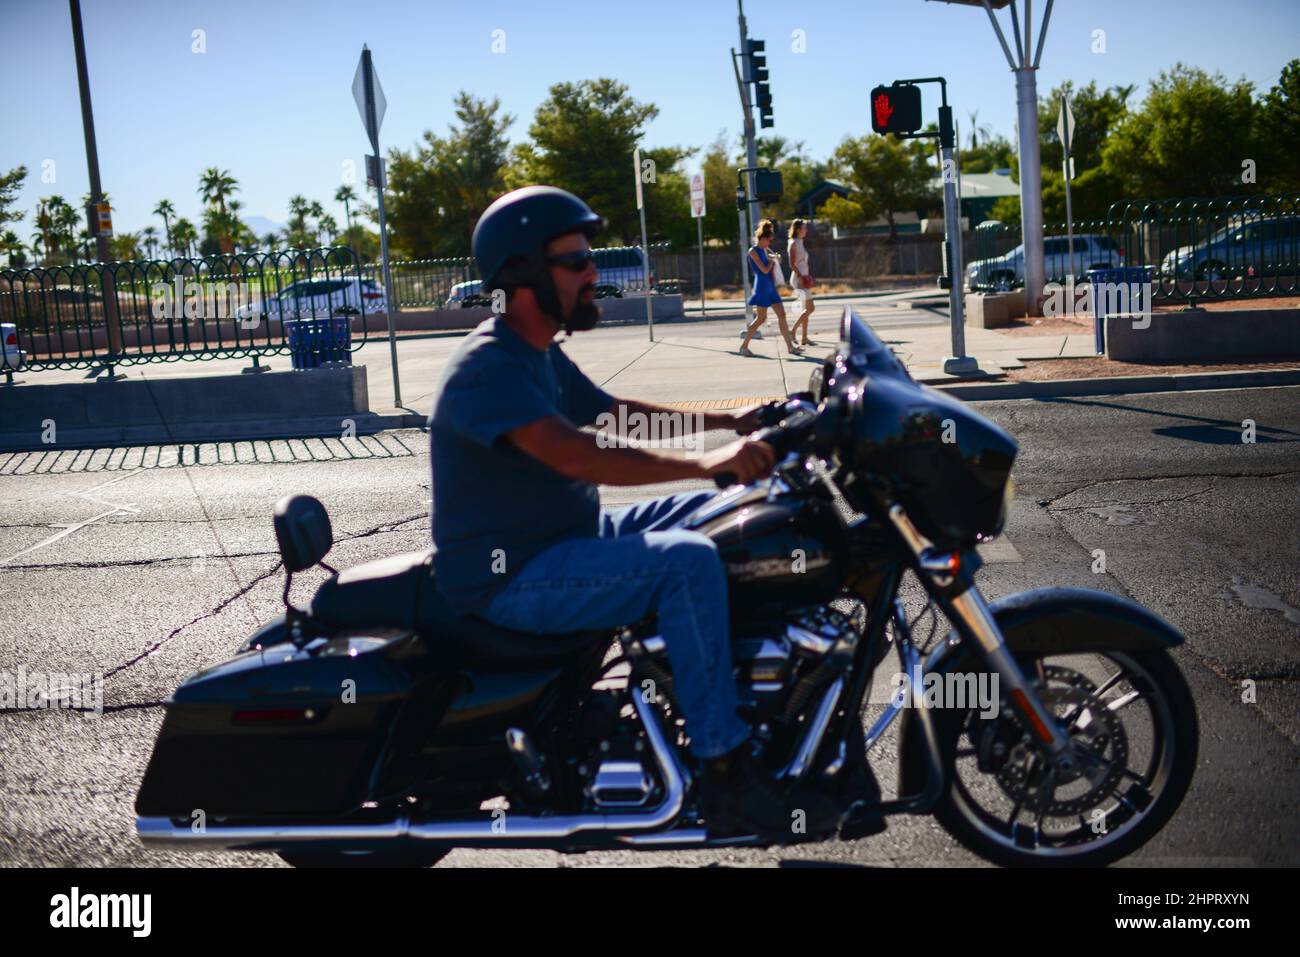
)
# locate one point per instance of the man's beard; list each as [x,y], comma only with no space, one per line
[583,315]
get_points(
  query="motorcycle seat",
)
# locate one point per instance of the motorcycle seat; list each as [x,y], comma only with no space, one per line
[399,592]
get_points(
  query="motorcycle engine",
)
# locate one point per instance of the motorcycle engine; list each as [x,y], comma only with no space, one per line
[780,672]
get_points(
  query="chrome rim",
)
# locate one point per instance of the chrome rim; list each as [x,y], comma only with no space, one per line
[1124,733]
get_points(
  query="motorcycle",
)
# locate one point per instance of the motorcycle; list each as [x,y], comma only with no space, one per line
[376,728]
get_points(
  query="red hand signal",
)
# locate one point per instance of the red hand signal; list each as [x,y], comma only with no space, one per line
[884,110]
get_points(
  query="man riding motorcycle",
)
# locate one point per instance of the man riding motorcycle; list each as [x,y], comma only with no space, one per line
[519,536]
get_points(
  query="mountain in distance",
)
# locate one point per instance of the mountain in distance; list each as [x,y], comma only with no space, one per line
[260,225]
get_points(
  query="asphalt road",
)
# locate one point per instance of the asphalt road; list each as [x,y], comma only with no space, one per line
[146,570]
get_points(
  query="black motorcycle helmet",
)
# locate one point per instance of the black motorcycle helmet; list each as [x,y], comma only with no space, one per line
[510,240]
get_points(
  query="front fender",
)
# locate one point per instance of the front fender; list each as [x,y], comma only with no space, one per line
[1063,620]
[1042,621]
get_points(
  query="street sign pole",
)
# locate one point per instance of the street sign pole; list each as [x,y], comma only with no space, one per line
[744,194]
[896,109]
[958,363]
[112,320]
[372,115]
[698,208]
[699,230]
[1065,130]
[645,245]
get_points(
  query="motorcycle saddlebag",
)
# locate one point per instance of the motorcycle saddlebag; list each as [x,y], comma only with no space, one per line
[278,731]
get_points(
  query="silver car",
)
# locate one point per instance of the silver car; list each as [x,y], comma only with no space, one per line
[1091,251]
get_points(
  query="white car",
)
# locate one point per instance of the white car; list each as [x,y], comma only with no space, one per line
[12,358]
[1091,251]
[319,299]
[465,294]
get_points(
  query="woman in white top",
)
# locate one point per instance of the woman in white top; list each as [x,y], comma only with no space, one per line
[801,278]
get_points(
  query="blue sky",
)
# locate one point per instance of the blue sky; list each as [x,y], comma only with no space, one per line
[270,99]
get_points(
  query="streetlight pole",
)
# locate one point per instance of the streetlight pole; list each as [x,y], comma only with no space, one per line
[108,289]
[1024,64]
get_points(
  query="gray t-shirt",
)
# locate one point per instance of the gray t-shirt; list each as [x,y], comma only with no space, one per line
[494,505]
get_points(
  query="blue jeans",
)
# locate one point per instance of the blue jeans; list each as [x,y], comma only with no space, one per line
[641,563]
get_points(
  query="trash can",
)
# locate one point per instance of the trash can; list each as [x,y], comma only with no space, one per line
[1125,276]
[319,342]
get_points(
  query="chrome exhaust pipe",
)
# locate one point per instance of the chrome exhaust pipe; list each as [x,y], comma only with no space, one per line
[162,832]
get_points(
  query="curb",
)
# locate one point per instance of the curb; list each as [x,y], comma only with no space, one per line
[1123,385]
[192,433]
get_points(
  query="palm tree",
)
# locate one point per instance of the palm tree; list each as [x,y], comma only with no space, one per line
[976,130]
[270,240]
[215,187]
[184,235]
[126,247]
[346,195]
[297,231]
[84,242]
[150,237]
[330,227]
[12,247]
[316,211]
[166,210]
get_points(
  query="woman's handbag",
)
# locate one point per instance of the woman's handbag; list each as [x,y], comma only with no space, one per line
[778,277]
[806,282]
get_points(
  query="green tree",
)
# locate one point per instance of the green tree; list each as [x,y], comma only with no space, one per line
[12,248]
[1277,125]
[184,235]
[1188,138]
[888,175]
[438,190]
[996,152]
[216,187]
[583,136]
[10,183]
[842,212]
[167,211]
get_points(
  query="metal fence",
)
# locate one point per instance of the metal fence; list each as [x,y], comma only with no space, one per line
[91,315]
[453,283]
[1196,249]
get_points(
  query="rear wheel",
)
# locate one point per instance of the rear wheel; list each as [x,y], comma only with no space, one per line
[384,857]
[1132,722]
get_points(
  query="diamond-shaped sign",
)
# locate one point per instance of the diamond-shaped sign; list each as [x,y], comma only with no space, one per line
[359,94]
[1065,123]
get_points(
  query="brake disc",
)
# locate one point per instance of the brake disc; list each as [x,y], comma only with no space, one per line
[1098,743]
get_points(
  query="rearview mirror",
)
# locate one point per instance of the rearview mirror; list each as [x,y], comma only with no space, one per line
[302,531]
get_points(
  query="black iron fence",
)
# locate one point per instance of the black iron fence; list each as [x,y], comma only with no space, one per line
[91,315]
[1195,249]
[453,283]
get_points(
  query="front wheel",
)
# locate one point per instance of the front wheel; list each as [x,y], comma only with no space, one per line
[1132,723]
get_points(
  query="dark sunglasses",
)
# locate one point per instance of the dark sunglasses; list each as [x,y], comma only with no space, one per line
[576,261]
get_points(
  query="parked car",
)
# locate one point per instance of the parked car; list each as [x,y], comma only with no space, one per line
[619,270]
[319,299]
[466,294]
[11,357]
[1259,247]
[1091,251]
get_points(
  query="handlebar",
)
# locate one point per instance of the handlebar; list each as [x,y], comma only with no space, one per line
[788,422]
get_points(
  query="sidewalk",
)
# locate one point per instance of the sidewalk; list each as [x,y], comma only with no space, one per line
[689,362]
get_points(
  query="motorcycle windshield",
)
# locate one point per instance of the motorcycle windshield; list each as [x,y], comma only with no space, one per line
[864,353]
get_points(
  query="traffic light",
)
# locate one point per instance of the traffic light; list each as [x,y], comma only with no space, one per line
[896,109]
[758,76]
[768,186]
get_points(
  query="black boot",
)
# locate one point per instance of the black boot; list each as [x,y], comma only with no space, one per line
[738,797]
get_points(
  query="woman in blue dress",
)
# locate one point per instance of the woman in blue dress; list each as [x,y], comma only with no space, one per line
[763,261]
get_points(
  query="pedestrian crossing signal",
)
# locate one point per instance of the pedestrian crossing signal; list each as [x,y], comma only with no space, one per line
[896,109]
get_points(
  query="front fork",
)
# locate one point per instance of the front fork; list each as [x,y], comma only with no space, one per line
[962,603]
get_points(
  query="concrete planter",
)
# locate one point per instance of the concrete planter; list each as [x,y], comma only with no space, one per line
[162,410]
[1196,334]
